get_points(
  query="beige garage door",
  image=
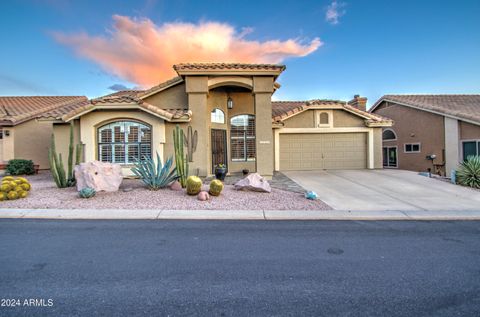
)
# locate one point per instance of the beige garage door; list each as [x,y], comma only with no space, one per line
[313,151]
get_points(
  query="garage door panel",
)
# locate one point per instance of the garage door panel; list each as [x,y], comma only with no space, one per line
[312,151]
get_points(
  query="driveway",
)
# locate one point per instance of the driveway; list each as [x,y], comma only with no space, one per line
[385,190]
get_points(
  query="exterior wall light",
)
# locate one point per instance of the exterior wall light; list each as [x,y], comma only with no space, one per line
[7,132]
[229,103]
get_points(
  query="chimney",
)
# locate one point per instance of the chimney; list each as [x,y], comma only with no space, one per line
[359,102]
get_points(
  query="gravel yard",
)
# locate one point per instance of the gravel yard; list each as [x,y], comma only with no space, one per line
[45,194]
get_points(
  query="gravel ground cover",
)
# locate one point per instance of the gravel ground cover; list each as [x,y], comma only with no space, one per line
[133,195]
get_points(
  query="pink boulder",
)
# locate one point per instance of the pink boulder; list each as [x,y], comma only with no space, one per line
[100,176]
[253,182]
[203,196]
[175,186]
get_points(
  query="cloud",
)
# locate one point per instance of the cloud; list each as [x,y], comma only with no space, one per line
[142,52]
[118,87]
[334,12]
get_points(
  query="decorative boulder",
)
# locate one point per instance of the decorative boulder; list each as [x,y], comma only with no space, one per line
[98,175]
[175,186]
[253,182]
[203,196]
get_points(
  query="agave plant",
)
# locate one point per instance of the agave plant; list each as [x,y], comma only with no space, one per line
[155,176]
[468,173]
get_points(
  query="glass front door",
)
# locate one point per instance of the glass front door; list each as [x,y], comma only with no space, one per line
[389,156]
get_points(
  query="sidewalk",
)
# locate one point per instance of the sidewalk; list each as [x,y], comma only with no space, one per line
[237,214]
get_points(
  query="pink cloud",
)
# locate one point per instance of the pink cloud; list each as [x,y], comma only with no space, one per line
[141,52]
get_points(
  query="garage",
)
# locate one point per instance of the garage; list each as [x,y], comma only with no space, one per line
[314,151]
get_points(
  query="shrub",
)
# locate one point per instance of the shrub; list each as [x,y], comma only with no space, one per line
[20,167]
[468,173]
[155,176]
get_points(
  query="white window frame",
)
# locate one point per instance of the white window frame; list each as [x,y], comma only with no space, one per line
[470,140]
[396,151]
[245,137]
[324,125]
[124,128]
[214,116]
[412,144]
[389,140]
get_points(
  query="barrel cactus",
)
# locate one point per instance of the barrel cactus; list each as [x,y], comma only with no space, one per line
[87,192]
[194,185]
[216,187]
[12,195]
[12,188]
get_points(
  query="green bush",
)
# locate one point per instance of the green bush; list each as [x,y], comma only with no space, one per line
[20,167]
[468,173]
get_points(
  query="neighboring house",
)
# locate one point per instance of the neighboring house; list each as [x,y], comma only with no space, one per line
[447,126]
[230,108]
[25,131]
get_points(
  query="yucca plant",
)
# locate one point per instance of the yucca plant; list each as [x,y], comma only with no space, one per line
[155,176]
[468,173]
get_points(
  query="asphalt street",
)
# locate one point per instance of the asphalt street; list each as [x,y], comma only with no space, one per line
[239,268]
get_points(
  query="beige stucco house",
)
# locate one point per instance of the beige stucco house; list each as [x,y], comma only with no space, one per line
[26,126]
[231,109]
[446,126]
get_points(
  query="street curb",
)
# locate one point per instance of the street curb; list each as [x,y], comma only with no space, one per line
[269,215]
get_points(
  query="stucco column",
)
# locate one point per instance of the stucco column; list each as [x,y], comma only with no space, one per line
[263,89]
[197,89]
[451,145]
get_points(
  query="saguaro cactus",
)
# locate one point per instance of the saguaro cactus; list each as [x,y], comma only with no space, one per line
[190,140]
[181,161]
[61,178]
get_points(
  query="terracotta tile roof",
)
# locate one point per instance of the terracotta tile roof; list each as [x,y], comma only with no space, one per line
[460,106]
[14,110]
[282,110]
[118,100]
[226,66]
[161,86]
[132,92]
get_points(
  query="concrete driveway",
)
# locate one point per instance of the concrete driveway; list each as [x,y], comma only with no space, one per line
[385,190]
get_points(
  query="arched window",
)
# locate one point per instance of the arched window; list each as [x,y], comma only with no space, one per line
[124,142]
[242,138]
[324,118]
[217,116]
[389,135]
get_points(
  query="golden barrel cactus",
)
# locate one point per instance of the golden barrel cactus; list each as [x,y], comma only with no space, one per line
[216,187]
[194,185]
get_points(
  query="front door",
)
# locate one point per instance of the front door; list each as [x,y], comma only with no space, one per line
[219,148]
[389,156]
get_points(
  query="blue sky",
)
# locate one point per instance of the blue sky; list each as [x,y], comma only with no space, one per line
[376,48]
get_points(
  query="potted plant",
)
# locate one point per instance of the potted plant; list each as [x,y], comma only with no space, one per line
[220,172]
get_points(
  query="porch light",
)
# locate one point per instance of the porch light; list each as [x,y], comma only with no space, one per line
[229,103]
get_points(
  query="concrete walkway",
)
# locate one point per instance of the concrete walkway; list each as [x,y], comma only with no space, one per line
[238,214]
[379,190]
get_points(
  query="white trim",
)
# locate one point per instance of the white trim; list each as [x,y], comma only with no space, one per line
[396,153]
[370,140]
[423,109]
[388,129]
[318,113]
[412,144]
[469,140]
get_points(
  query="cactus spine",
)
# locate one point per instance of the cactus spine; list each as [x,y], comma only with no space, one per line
[194,185]
[63,179]
[181,160]
[191,140]
[216,187]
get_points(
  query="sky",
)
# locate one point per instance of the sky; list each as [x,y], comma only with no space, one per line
[332,49]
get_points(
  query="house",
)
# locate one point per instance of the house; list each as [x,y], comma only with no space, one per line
[430,131]
[229,107]
[25,129]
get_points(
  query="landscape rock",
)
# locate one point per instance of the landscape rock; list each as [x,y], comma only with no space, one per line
[175,186]
[253,182]
[100,176]
[203,196]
